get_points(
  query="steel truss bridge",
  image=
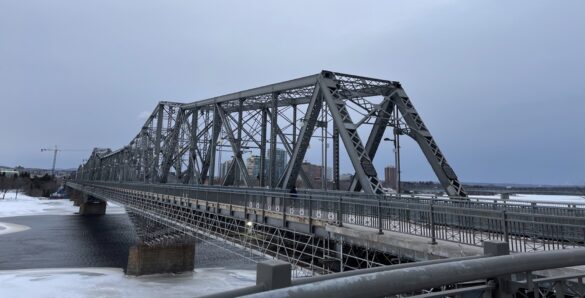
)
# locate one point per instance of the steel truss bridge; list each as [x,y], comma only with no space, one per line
[167,178]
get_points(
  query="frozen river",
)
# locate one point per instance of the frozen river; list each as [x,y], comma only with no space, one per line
[49,251]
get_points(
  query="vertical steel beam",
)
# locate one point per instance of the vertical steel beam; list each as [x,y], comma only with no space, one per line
[209,164]
[239,140]
[335,158]
[273,122]
[157,141]
[262,170]
[189,176]
[145,154]
[294,124]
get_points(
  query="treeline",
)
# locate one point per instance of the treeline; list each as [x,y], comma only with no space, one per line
[42,186]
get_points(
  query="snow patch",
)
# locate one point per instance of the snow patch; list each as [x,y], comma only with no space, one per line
[23,205]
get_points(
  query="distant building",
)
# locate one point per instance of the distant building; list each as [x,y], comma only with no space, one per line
[345,177]
[280,158]
[225,166]
[390,177]
[253,166]
[8,172]
[314,172]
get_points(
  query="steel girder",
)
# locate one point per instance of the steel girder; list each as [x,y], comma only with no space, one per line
[184,142]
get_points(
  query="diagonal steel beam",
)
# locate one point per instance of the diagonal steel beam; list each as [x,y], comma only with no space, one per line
[298,154]
[380,124]
[289,150]
[365,171]
[429,147]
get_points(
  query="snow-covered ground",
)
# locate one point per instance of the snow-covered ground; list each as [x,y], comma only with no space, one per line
[548,200]
[553,199]
[23,205]
[111,282]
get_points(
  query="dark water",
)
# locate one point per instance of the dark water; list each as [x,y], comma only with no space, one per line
[56,241]
[65,241]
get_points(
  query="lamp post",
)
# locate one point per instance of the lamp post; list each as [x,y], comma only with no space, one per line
[396,142]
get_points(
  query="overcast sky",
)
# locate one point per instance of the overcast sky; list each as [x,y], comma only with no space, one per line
[499,83]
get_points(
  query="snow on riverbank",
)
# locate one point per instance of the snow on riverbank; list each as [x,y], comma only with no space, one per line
[111,282]
[553,199]
[24,205]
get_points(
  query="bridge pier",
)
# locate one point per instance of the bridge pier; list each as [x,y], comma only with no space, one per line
[76,197]
[92,208]
[175,258]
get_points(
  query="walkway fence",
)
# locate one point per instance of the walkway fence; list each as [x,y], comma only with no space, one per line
[525,226]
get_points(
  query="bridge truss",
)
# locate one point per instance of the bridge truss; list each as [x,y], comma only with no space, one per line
[181,143]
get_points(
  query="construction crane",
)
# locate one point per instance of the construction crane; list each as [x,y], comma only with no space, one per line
[55,151]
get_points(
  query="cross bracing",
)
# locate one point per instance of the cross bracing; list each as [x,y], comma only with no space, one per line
[278,123]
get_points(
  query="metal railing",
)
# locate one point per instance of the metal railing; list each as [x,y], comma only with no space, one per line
[526,226]
[495,274]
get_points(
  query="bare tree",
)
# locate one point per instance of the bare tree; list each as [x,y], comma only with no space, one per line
[4,185]
[18,184]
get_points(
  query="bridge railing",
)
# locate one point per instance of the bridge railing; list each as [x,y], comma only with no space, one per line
[495,274]
[526,226]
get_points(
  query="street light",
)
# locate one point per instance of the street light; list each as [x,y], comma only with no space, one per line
[396,142]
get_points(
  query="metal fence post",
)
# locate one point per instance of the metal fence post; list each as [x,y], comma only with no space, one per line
[310,214]
[284,210]
[217,202]
[432,222]
[380,216]
[246,206]
[273,274]
[230,194]
[493,248]
[505,225]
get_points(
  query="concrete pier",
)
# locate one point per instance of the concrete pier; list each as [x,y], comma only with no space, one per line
[177,258]
[93,208]
[76,197]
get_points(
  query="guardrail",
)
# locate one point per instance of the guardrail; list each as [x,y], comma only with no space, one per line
[495,274]
[526,226]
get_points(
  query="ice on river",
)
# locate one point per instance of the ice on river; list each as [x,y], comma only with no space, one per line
[23,205]
[111,282]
